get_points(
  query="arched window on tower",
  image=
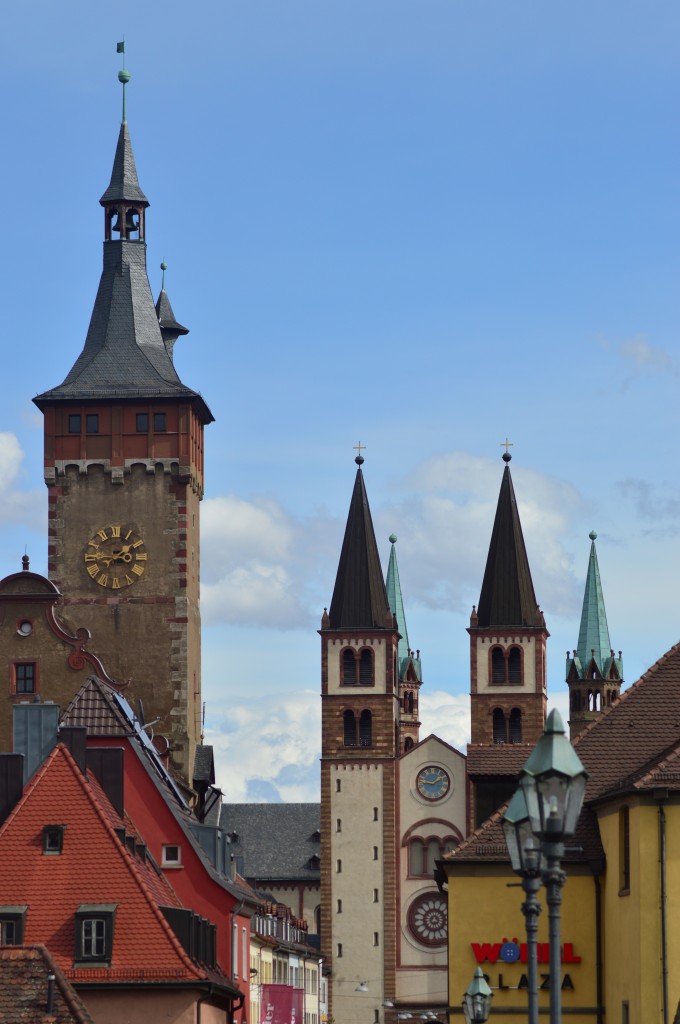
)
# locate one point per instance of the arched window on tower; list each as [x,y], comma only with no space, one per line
[350,729]
[515,730]
[515,665]
[349,667]
[408,743]
[498,725]
[416,859]
[366,667]
[433,854]
[365,729]
[497,666]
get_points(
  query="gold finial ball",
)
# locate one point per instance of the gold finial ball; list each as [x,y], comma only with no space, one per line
[124,76]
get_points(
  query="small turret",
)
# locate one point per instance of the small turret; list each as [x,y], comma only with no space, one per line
[594,674]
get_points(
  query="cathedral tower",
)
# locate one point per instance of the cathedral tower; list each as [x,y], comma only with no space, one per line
[124,471]
[508,637]
[594,673]
[360,742]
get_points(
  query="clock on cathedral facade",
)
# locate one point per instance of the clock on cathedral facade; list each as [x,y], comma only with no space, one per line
[124,470]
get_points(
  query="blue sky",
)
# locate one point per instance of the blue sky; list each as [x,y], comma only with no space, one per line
[426,226]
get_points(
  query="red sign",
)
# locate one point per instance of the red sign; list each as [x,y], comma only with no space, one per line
[280,1004]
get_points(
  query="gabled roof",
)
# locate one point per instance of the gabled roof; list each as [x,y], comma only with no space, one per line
[105,713]
[276,841]
[24,973]
[359,598]
[124,185]
[507,597]
[94,867]
[630,739]
[487,843]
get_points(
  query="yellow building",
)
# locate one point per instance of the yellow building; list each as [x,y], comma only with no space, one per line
[620,920]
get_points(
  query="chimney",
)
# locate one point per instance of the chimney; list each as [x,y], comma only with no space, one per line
[11,783]
[106,764]
[74,737]
[34,730]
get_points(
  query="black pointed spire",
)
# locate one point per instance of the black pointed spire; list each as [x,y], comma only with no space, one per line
[359,597]
[507,597]
[124,184]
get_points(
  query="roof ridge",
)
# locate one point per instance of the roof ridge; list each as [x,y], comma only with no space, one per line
[632,689]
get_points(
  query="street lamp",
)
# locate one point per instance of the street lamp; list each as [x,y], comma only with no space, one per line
[477,1000]
[554,783]
[528,863]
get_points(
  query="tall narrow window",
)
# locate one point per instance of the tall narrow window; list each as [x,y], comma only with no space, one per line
[376,939]
[515,728]
[92,423]
[365,729]
[349,667]
[350,729]
[375,853]
[339,949]
[376,896]
[338,824]
[142,422]
[416,859]
[74,423]
[624,852]
[338,785]
[375,814]
[498,726]
[339,906]
[515,665]
[408,743]
[497,666]
[366,668]
[159,422]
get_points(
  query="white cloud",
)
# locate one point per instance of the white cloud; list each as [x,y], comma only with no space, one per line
[268,747]
[447,715]
[17,506]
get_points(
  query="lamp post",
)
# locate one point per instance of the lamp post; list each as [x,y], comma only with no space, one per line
[554,783]
[528,863]
[477,999]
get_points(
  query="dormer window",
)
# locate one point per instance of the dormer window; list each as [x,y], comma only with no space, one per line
[53,839]
[94,933]
[12,920]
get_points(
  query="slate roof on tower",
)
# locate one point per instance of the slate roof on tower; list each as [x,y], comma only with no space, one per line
[359,597]
[593,635]
[124,184]
[124,355]
[507,597]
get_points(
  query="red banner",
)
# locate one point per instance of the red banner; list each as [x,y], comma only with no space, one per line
[281,1004]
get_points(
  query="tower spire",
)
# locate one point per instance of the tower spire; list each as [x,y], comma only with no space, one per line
[359,596]
[507,597]
[396,600]
[594,673]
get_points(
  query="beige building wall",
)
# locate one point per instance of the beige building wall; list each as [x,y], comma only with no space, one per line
[421,973]
[505,640]
[356,882]
[337,645]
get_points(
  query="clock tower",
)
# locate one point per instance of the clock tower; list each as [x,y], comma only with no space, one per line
[124,472]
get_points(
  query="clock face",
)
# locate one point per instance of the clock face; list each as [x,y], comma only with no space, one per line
[433,783]
[427,919]
[115,557]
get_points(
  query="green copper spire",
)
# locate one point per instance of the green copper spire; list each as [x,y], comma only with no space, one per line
[396,600]
[594,632]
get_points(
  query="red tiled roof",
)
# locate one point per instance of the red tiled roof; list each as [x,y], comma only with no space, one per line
[23,989]
[633,744]
[632,737]
[94,867]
